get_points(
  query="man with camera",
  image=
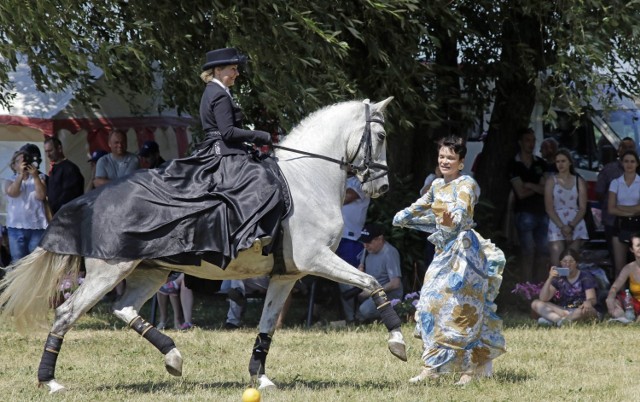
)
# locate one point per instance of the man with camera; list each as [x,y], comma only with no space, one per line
[65,180]
[26,190]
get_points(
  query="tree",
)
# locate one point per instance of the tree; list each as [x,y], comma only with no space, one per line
[440,62]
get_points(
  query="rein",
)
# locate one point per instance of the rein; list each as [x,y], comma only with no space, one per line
[367,163]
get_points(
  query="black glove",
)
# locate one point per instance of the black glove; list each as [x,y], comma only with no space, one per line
[262,138]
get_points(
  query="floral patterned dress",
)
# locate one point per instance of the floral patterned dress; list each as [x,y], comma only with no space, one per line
[565,203]
[456,314]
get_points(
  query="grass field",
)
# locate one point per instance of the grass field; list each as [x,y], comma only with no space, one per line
[103,361]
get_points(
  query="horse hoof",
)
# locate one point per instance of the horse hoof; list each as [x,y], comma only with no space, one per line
[264,382]
[173,362]
[54,386]
[397,346]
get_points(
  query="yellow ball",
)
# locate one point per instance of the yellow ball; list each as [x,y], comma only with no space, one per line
[251,395]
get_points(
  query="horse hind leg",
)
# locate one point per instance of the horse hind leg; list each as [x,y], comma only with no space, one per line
[101,277]
[142,284]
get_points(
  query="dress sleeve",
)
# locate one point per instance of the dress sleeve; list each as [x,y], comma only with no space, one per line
[418,215]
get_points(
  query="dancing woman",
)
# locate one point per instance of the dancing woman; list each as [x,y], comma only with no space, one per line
[456,315]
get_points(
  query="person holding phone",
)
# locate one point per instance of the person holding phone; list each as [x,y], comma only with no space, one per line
[26,191]
[574,290]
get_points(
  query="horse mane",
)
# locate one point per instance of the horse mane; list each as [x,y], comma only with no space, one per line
[320,116]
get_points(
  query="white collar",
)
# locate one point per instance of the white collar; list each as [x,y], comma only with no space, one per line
[217,81]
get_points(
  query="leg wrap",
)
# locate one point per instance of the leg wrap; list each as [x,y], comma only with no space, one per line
[259,355]
[161,341]
[47,368]
[387,314]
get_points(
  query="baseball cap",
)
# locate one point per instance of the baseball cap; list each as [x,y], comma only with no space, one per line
[147,148]
[97,154]
[370,231]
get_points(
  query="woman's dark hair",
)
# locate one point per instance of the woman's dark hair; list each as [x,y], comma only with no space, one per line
[570,252]
[456,144]
[567,153]
[631,152]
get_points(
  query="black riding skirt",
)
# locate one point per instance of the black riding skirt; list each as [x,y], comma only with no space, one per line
[205,206]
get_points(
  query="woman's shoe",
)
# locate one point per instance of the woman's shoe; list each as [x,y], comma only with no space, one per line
[465,379]
[186,326]
[161,325]
[425,374]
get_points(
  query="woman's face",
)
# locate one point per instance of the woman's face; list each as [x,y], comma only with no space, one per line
[449,163]
[17,164]
[227,74]
[562,163]
[629,163]
[569,262]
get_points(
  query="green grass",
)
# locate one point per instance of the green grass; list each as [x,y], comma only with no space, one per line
[103,361]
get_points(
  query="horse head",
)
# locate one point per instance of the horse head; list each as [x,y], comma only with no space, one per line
[369,163]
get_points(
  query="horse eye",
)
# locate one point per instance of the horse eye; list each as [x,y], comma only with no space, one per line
[381,135]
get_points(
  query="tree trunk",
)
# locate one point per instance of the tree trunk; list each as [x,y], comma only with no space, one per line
[514,102]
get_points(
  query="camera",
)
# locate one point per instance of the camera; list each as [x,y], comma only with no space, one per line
[32,155]
[33,160]
[562,271]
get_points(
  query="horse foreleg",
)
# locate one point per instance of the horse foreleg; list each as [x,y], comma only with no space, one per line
[142,284]
[277,293]
[328,265]
[101,277]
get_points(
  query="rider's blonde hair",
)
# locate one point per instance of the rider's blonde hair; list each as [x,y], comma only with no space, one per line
[208,75]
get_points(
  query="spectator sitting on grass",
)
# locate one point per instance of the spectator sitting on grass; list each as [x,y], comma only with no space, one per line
[576,289]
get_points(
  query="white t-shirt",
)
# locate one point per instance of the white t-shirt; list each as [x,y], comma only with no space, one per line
[24,211]
[626,195]
[354,214]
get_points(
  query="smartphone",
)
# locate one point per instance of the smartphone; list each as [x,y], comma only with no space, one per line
[562,271]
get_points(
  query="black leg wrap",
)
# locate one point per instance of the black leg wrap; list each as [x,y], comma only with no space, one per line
[259,355]
[47,368]
[161,341]
[387,313]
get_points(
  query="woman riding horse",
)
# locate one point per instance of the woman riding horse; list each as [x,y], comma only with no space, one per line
[208,206]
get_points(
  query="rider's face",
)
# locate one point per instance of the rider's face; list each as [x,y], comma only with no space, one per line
[227,74]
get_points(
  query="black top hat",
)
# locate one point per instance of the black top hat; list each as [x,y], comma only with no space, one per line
[223,57]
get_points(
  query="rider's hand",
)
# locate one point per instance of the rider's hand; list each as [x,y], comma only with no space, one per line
[262,138]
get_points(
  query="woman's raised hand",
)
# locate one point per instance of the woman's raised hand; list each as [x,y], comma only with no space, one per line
[447,219]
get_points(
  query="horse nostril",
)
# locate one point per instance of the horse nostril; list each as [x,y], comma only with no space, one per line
[384,188]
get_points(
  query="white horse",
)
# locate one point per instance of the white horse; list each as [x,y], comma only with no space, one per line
[349,133]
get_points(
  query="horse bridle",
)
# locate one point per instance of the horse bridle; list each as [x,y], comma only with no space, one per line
[363,170]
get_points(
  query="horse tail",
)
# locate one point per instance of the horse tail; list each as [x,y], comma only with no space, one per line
[32,284]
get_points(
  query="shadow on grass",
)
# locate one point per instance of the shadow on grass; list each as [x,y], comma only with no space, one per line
[500,376]
[296,383]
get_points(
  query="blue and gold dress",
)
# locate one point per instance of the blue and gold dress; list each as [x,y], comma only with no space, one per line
[456,315]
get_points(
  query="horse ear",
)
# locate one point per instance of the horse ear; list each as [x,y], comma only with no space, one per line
[380,106]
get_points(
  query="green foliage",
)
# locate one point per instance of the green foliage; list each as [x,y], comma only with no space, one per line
[442,63]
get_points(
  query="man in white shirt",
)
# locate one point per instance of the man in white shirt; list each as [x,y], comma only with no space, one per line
[354,215]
